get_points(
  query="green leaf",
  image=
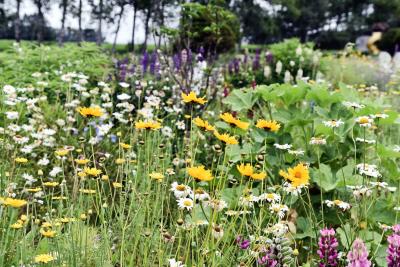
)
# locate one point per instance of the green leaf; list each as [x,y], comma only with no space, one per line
[324,177]
[240,100]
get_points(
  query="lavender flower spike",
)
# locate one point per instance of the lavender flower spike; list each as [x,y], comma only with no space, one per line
[393,250]
[328,248]
[358,256]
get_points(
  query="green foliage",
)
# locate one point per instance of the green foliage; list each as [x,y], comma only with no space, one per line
[210,26]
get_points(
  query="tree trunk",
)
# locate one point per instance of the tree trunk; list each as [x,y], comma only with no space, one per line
[80,35]
[18,23]
[40,22]
[118,26]
[64,14]
[99,35]
[162,18]
[146,28]
[133,28]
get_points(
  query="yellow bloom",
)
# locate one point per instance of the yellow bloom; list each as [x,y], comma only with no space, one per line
[191,97]
[156,176]
[203,124]
[228,118]
[21,160]
[92,171]
[298,176]
[44,258]
[46,224]
[105,177]
[17,225]
[48,233]
[148,125]
[61,152]
[51,184]
[13,202]
[117,185]
[126,146]
[226,138]
[87,191]
[120,161]
[247,170]
[271,126]
[34,190]
[90,111]
[200,173]
[81,161]
[259,176]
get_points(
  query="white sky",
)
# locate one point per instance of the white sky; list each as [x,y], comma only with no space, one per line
[53,17]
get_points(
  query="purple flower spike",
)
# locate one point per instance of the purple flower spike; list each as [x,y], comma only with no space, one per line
[393,250]
[328,248]
[358,256]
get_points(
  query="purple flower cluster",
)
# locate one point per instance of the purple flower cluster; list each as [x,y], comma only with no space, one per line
[393,250]
[242,243]
[358,256]
[267,259]
[328,248]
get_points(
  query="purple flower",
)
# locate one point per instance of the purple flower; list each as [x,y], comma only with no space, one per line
[393,250]
[145,61]
[267,259]
[177,62]
[327,248]
[358,256]
[242,243]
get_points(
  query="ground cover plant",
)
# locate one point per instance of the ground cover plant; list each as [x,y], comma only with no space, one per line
[186,160]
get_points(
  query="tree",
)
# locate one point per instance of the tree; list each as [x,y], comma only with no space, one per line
[77,12]
[147,7]
[101,11]
[42,6]
[17,23]
[64,6]
[121,4]
[134,4]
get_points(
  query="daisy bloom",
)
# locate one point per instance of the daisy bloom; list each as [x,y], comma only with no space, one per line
[200,173]
[226,138]
[89,112]
[228,118]
[191,97]
[180,190]
[283,147]
[81,161]
[13,202]
[44,258]
[147,125]
[298,176]
[247,170]
[92,171]
[364,121]
[185,203]
[317,141]
[333,123]
[203,124]
[269,126]
[156,176]
[125,146]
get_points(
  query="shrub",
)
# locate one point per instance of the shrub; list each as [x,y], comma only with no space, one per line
[209,26]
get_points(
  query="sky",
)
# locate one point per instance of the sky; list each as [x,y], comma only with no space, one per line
[53,17]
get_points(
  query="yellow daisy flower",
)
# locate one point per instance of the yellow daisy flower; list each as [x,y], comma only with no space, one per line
[298,176]
[200,173]
[271,126]
[191,97]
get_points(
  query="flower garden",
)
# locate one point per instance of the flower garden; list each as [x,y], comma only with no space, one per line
[266,158]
